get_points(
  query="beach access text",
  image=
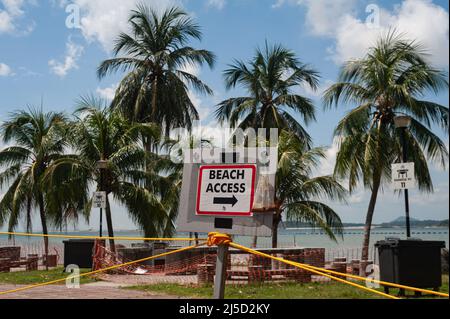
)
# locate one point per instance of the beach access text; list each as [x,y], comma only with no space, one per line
[226,190]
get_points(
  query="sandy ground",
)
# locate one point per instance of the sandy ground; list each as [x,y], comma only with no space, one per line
[98,290]
[134,280]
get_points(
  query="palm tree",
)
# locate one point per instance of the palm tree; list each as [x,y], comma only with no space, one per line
[298,194]
[39,139]
[389,81]
[270,78]
[158,58]
[101,134]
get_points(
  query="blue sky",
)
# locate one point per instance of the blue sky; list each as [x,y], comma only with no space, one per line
[41,58]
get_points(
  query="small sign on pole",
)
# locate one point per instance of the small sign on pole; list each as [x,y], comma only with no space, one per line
[403,176]
[99,200]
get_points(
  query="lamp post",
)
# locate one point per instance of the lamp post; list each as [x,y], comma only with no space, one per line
[101,165]
[403,123]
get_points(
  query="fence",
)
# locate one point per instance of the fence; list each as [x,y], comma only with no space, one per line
[242,267]
[37,248]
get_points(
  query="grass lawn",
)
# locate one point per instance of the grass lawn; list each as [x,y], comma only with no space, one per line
[40,276]
[328,290]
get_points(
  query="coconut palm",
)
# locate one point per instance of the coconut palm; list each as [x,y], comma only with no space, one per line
[101,134]
[38,139]
[298,194]
[157,58]
[390,80]
[271,79]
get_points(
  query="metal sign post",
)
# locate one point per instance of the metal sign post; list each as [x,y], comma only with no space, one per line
[99,201]
[403,178]
[221,272]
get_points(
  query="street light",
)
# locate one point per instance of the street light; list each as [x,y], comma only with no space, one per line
[101,165]
[402,123]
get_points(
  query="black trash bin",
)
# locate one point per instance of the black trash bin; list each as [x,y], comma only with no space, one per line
[411,262]
[78,252]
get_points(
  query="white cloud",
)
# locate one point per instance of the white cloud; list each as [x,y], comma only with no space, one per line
[73,53]
[421,20]
[278,4]
[107,93]
[14,6]
[218,4]
[12,11]
[103,20]
[321,14]
[308,92]
[326,166]
[416,19]
[5,70]
[429,23]
[6,22]
[440,195]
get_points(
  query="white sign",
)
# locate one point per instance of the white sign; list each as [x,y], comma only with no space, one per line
[99,200]
[403,176]
[197,211]
[226,190]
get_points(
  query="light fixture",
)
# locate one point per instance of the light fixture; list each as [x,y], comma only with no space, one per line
[102,164]
[402,121]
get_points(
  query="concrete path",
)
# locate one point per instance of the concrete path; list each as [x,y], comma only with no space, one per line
[98,290]
[138,280]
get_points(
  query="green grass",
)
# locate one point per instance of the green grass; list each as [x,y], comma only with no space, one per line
[328,290]
[40,276]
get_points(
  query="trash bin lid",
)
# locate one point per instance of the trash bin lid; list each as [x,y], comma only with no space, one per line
[79,241]
[412,242]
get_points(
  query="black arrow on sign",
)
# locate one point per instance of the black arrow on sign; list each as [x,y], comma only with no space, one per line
[226,200]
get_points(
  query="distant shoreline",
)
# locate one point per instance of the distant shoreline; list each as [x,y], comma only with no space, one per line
[288,226]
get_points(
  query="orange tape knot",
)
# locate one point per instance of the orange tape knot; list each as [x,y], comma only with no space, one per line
[216,239]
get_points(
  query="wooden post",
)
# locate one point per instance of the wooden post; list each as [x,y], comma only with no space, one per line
[221,271]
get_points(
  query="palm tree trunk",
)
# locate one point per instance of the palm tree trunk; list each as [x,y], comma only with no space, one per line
[154,98]
[110,225]
[148,148]
[369,217]
[276,223]
[255,241]
[44,227]
[373,200]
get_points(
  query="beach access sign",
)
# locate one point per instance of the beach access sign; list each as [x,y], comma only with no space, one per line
[403,176]
[226,190]
[220,189]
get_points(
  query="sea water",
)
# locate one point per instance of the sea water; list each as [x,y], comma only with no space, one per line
[295,237]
